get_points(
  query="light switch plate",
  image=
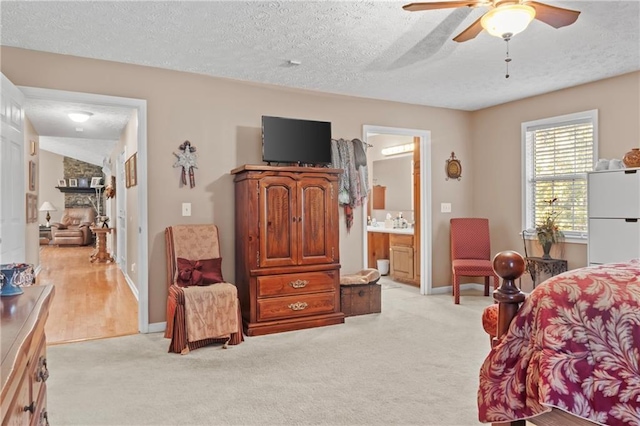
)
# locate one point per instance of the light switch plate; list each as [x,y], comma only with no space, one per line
[186,209]
[445,207]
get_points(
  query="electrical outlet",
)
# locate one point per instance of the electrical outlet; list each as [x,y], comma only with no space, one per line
[186,209]
[445,207]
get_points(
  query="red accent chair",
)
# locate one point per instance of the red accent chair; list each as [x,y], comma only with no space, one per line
[471,253]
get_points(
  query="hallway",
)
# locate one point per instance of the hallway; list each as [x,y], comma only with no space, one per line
[91,301]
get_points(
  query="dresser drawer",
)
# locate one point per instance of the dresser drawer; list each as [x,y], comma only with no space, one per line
[613,240]
[614,194]
[289,284]
[38,368]
[296,306]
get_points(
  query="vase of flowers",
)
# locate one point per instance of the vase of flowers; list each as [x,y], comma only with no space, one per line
[548,231]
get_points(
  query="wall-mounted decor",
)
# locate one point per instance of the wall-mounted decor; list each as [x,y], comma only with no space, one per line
[32,208]
[83,183]
[187,160]
[32,176]
[130,169]
[96,182]
[453,168]
[73,183]
[133,170]
[62,183]
[110,189]
[32,147]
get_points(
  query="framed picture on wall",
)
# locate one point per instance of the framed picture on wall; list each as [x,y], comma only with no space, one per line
[32,208]
[96,182]
[62,183]
[83,183]
[73,183]
[127,176]
[32,176]
[32,147]
[133,178]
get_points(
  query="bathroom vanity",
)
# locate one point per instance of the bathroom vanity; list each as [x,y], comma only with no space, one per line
[397,245]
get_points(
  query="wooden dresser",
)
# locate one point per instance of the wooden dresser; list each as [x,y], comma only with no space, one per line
[287,247]
[24,362]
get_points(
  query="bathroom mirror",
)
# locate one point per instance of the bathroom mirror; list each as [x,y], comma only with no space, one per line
[396,174]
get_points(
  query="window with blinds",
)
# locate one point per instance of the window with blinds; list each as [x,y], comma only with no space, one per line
[558,153]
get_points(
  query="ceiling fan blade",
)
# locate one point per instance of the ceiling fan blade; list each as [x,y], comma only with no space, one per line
[414,7]
[471,32]
[555,16]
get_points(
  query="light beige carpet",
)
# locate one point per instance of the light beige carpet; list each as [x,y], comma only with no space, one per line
[416,363]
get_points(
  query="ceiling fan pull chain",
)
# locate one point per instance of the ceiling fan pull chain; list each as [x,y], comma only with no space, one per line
[507,59]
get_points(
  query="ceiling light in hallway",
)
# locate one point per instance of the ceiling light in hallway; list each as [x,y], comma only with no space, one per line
[80,116]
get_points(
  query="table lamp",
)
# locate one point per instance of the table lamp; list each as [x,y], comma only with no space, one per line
[47,207]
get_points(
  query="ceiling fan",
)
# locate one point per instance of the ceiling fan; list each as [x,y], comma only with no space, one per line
[505,18]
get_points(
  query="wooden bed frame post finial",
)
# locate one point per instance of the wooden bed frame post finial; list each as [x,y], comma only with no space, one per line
[509,265]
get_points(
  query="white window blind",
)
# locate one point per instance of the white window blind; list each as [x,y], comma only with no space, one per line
[558,153]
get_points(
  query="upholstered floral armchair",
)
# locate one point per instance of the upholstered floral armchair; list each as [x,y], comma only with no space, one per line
[74,227]
[201,307]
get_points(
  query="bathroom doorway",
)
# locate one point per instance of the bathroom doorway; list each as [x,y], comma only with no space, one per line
[408,191]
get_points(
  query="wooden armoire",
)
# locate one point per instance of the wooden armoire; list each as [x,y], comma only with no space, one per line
[287,247]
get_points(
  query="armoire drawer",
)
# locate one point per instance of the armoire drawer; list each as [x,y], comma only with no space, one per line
[296,306]
[289,284]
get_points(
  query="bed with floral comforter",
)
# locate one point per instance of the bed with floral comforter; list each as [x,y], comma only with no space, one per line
[573,345]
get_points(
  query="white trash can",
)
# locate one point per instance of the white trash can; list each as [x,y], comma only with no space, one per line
[383,266]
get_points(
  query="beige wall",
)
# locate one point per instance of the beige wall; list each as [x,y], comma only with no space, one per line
[51,169]
[32,231]
[496,159]
[222,119]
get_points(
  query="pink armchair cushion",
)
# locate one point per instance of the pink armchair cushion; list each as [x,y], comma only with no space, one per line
[199,272]
[472,267]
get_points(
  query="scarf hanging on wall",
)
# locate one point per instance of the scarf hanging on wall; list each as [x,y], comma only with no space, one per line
[350,156]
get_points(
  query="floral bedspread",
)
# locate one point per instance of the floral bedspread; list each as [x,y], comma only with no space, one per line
[574,345]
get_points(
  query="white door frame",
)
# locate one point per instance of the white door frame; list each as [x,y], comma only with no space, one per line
[425,200]
[121,212]
[141,106]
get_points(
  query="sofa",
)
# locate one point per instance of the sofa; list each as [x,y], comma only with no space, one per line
[74,227]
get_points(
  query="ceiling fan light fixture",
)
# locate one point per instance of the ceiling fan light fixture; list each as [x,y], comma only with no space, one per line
[80,116]
[508,20]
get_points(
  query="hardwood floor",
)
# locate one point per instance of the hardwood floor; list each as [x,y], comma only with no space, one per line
[92,300]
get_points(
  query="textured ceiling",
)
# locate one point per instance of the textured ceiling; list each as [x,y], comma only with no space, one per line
[92,143]
[371,49]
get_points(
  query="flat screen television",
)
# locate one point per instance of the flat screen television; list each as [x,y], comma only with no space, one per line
[290,140]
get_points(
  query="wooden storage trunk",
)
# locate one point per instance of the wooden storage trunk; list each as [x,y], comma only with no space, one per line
[360,299]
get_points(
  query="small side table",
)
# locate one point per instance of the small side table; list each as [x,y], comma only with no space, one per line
[537,266]
[101,254]
[45,235]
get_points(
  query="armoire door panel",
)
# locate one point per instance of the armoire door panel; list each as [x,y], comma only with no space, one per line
[315,221]
[278,222]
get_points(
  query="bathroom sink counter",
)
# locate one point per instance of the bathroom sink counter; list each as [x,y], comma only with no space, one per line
[404,231]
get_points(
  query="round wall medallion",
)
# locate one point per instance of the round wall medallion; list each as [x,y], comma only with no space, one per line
[453,168]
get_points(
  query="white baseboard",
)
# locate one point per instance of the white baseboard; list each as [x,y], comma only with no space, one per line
[157,327]
[449,289]
[132,286]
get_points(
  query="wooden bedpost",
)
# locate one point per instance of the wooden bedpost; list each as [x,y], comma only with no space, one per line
[509,265]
